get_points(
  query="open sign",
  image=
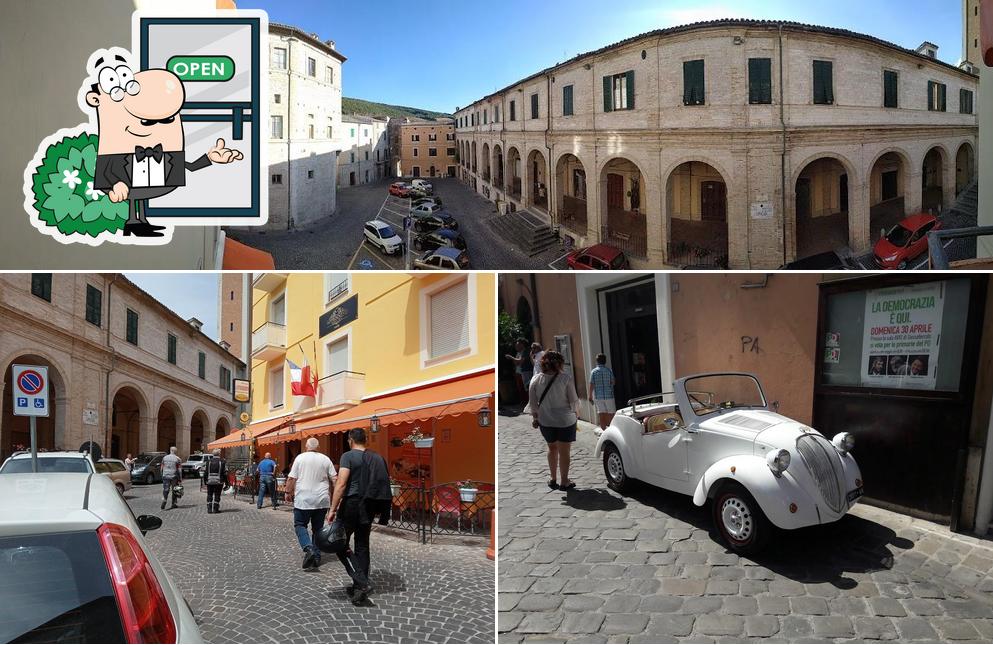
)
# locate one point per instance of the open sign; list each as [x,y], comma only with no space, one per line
[201,68]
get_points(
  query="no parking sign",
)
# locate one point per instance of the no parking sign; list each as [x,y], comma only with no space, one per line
[30,390]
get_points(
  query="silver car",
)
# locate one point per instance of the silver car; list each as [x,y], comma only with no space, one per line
[93,577]
[61,461]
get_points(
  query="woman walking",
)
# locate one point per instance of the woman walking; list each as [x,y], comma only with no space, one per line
[553,400]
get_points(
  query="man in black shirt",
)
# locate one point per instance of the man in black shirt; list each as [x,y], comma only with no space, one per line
[215,475]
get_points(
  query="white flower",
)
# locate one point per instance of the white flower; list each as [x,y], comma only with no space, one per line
[92,192]
[71,178]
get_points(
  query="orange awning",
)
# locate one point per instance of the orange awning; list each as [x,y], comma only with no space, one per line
[241,257]
[252,432]
[451,398]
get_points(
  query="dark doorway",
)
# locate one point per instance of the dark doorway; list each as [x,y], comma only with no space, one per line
[632,326]
[351,179]
[615,191]
[890,184]
[432,171]
[713,201]
[843,190]
[803,197]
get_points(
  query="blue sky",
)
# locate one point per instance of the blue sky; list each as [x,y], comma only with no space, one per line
[437,54]
[191,295]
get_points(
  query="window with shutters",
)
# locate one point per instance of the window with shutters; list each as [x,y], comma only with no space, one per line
[935,96]
[486,116]
[201,365]
[311,67]
[965,101]
[94,302]
[496,114]
[337,356]
[760,81]
[132,327]
[171,349]
[224,379]
[41,285]
[567,100]
[823,82]
[447,320]
[277,126]
[891,84]
[276,387]
[693,83]
[534,106]
[513,110]
[618,92]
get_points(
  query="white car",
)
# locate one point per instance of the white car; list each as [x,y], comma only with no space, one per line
[718,441]
[61,461]
[422,185]
[93,578]
[425,209]
[194,464]
[381,235]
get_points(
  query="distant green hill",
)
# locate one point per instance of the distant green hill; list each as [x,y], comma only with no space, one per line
[370,108]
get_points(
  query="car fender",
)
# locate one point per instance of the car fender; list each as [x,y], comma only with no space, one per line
[774,494]
[616,437]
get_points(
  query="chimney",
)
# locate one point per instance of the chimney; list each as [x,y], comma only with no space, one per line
[928,49]
[195,323]
[225,345]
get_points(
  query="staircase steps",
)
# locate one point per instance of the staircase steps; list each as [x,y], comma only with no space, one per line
[525,230]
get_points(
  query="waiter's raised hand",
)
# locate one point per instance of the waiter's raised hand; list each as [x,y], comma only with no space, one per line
[220,154]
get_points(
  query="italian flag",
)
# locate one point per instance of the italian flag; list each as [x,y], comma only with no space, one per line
[303,382]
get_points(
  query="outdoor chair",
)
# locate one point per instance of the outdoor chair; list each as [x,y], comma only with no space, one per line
[447,501]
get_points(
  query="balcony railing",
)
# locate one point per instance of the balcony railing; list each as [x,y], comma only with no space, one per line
[340,388]
[338,290]
[269,341]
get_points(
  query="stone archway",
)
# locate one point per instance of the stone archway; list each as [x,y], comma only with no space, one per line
[168,425]
[888,192]
[622,199]
[932,178]
[486,162]
[570,179]
[965,166]
[198,431]
[537,170]
[821,206]
[514,182]
[696,198]
[222,428]
[128,409]
[497,167]
[15,432]
[475,158]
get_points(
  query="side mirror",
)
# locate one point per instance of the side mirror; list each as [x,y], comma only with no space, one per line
[149,523]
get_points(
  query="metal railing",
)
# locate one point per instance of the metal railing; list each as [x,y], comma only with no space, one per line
[337,290]
[684,254]
[443,510]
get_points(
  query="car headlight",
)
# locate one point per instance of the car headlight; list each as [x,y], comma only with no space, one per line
[778,460]
[844,442]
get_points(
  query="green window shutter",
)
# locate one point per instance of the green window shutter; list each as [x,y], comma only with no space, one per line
[759,81]
[534,106]
[608,94]
[567,100]
[941,97]
[823,82]
[693,82]
[202,365]
[890,92]
[94,302]
[630,82]
[931,103]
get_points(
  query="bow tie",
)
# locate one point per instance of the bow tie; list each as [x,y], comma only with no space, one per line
[155,153]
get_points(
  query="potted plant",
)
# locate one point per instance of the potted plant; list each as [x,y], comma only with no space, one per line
[419,440]
[394,486]
[467,490]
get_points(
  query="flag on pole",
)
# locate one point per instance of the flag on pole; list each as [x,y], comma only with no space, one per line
[302,381]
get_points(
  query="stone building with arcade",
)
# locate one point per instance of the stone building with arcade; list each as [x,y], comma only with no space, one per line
[730,143]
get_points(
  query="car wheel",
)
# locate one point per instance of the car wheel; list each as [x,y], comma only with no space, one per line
[740,521]
[902,265]
[149,479]
[613,468]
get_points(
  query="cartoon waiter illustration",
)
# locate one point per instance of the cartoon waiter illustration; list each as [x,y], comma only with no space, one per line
[141,151]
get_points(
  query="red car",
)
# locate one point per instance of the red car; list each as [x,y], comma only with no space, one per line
[599,257]
[906,241]
[400,189]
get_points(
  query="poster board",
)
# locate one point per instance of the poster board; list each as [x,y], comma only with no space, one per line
[902,333]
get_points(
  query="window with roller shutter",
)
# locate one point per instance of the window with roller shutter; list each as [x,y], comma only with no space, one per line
[448,317]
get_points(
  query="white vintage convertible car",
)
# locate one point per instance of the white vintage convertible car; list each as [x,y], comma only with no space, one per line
[714,438]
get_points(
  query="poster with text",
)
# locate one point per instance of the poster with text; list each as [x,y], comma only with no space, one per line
[902,334]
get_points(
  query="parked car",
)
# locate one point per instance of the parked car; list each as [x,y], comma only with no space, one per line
[381,235]
[419,193]
[61,461]
[600,257]
[400,189]
[826,261]
[718,441]
[442,237]
[117,471]
[905,241]
[426,200]
[443,259]
[194,464]
[422,184]
[438,219]
[86,573]
[425,208]
[147,468]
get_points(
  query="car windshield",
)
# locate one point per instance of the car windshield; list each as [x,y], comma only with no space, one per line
[386,232]
[617,262]
[70,598]
[48,465]
[716,392]
[899,236]
[142,460]
[195,458]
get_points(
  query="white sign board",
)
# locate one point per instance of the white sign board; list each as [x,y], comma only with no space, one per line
[30,389]
[762,210]
[90,417]
[902,332]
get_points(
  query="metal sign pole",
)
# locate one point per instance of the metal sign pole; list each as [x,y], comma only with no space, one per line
[34,444]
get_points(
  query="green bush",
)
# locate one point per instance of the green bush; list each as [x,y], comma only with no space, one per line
[64,193]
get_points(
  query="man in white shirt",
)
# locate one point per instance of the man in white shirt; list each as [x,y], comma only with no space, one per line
[309,487]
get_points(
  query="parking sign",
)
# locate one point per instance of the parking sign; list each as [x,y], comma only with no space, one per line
[30,390]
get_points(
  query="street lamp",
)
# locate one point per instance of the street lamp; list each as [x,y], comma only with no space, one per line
[483,417]
[374,424]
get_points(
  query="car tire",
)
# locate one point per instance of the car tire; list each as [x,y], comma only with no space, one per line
[613,469]
[902,265]
[739,519]
[149,479]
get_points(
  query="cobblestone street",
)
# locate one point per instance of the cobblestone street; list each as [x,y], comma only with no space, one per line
[593,566]
[240,572]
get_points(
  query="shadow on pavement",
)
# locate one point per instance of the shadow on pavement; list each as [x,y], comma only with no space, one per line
[593,499]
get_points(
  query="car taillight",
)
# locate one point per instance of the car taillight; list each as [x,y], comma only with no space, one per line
[140,600]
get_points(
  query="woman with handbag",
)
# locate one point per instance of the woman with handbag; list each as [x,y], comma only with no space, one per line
[552,399]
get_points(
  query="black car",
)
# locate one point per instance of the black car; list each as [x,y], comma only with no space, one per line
[438,238]
[441,219]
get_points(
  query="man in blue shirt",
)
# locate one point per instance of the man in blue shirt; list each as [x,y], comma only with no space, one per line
[267,479]
[602,391]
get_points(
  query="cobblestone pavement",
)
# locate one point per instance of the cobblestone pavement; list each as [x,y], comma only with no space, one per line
[332,243]
[593,566]
[240,572]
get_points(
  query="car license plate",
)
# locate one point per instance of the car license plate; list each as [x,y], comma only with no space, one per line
[855,494]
